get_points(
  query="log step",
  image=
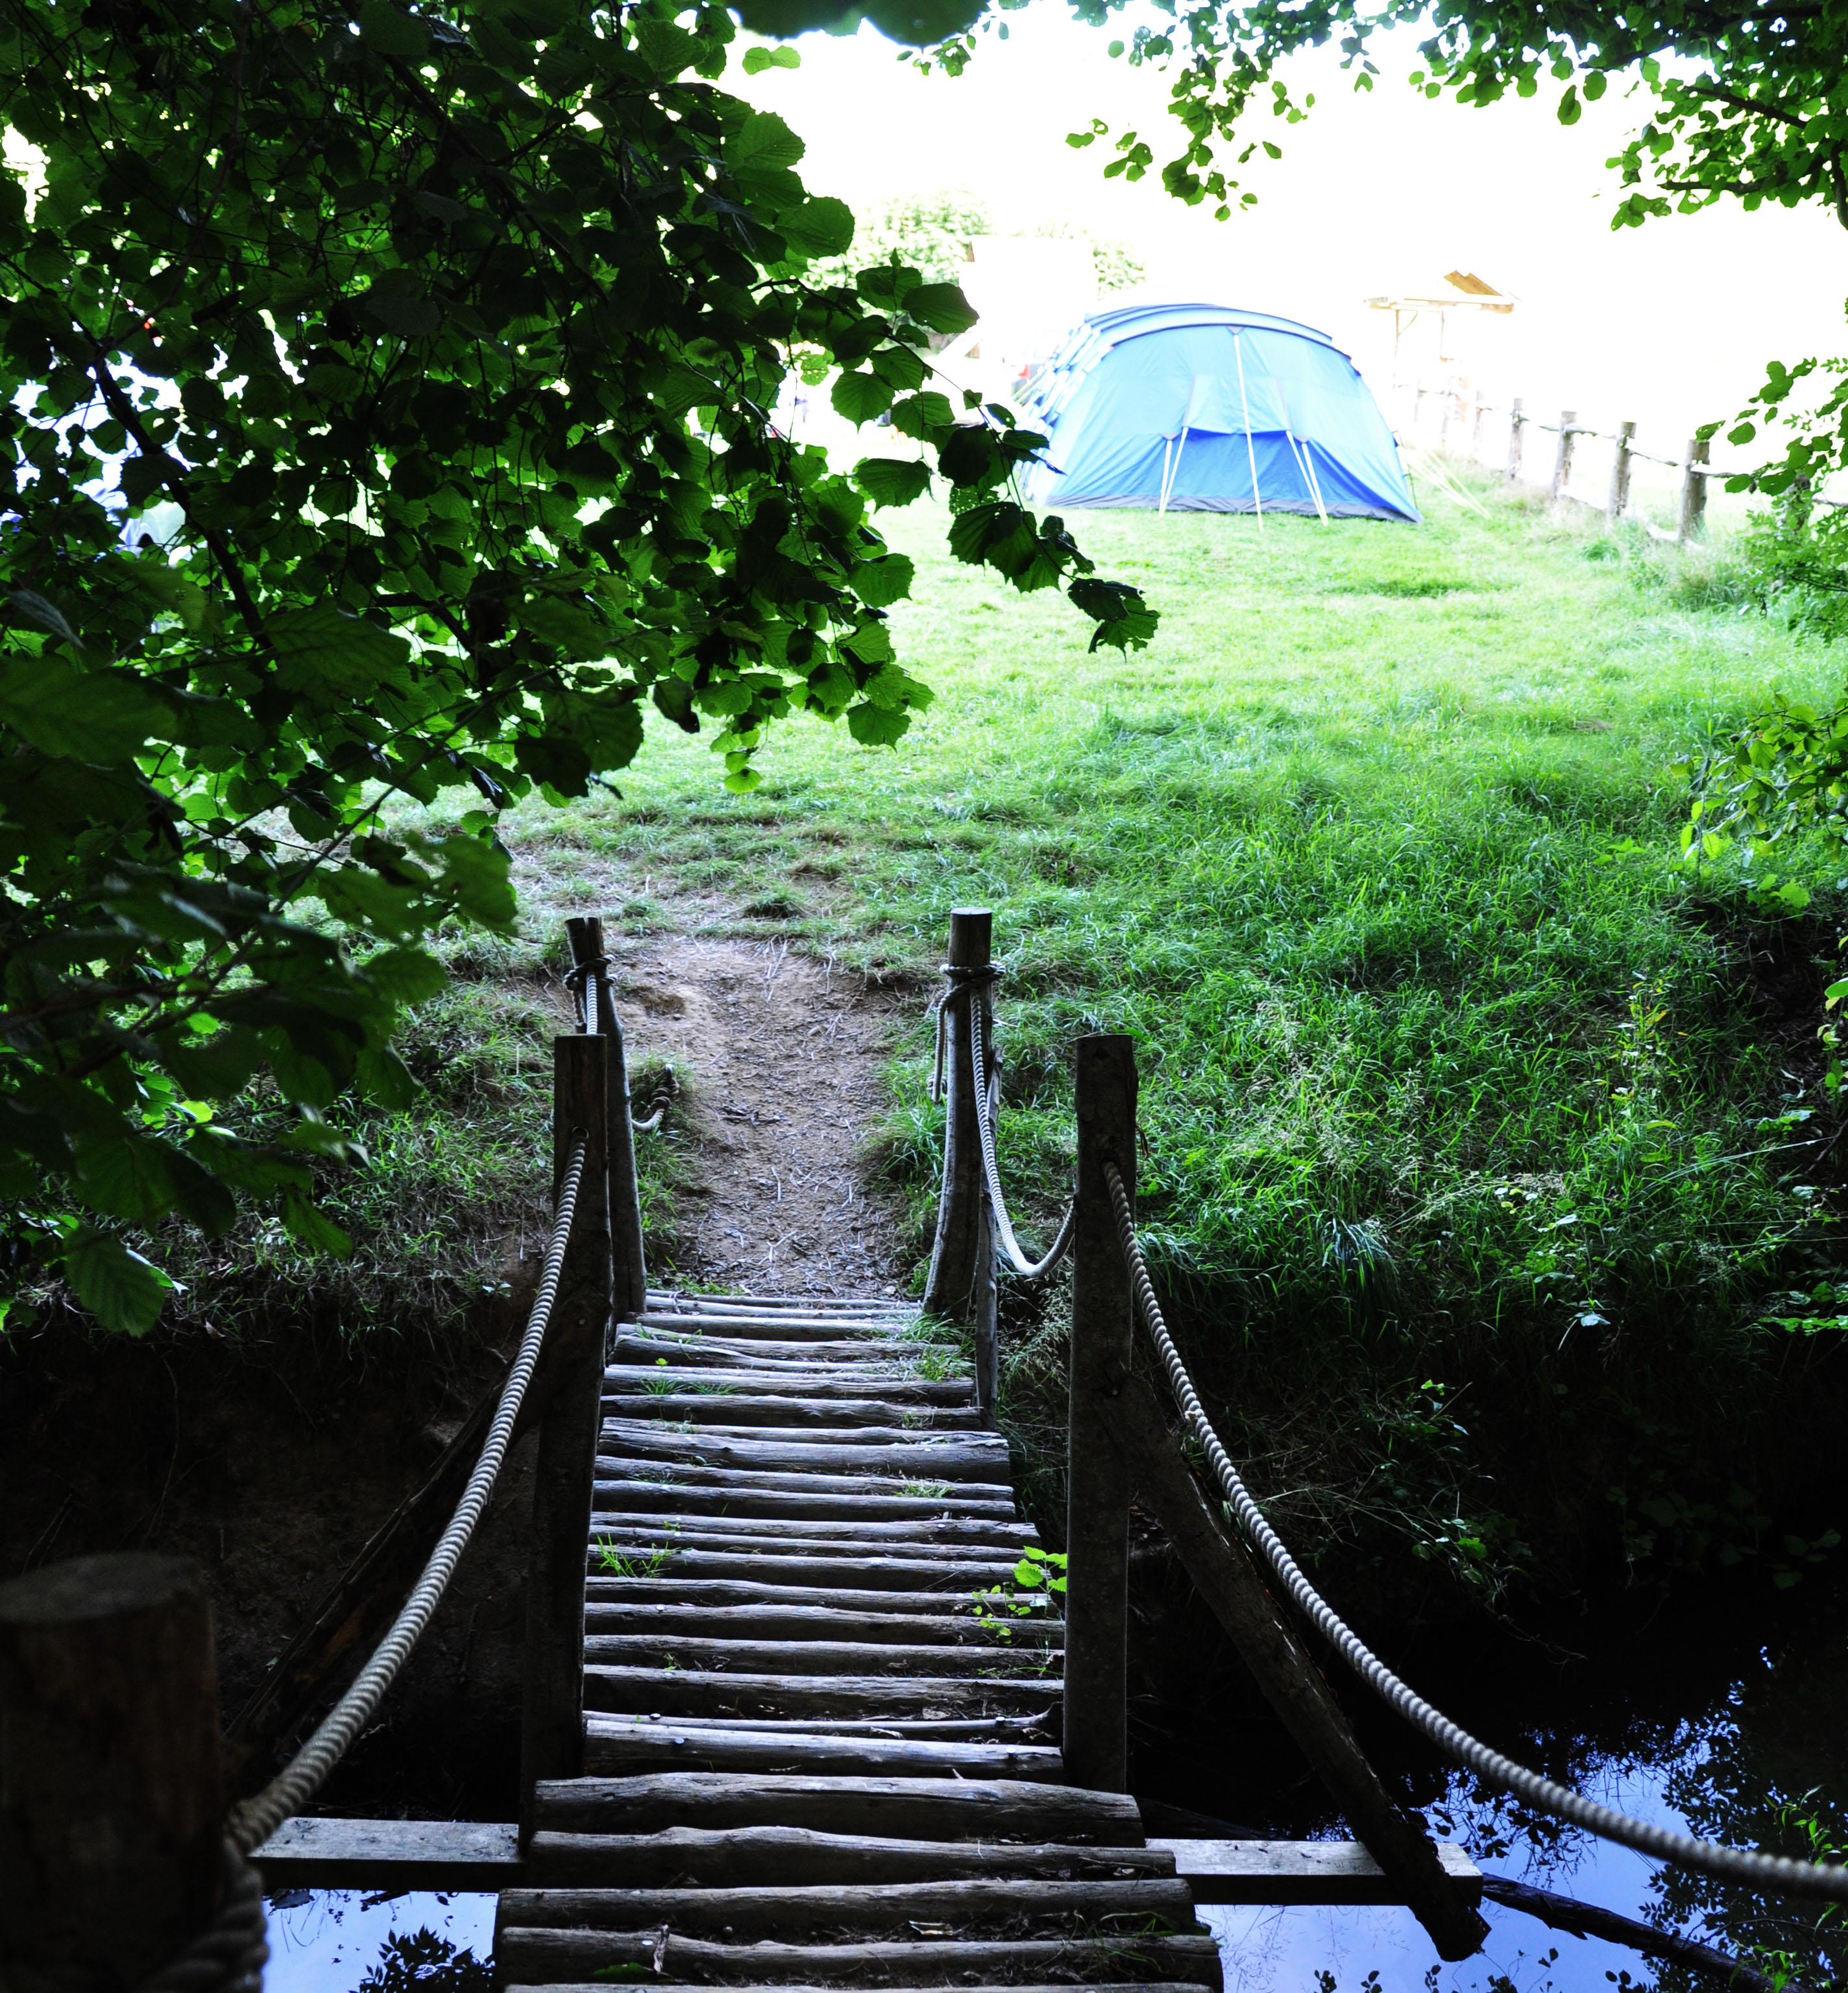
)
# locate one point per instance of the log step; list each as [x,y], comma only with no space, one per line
[540,1957]
[665,1649]
[818,1383]
[731,1408]
[866,1574]
[872,1450]
[699,1474]
[902,1808]
[700,1594]
[886,1362]
[764,1622]
[677,1691]
[686,1499]
[616,1748]
[751,1856]
[1003,1537]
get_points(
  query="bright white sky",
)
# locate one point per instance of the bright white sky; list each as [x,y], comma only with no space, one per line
[1670,324]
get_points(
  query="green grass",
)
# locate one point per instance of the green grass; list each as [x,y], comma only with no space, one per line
[1454,1082]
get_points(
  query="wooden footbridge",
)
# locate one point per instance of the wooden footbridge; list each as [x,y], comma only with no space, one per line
[810,1757]
[789,1718]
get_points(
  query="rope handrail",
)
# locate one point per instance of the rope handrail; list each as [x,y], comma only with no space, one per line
[255,1819]
[1769,1872]
[1027,1269]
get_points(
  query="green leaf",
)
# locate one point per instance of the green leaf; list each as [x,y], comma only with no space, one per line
[758,60]
[890,481]
[84,715]
[879,584]
[821,226]
[390,31]
[861,397]
[128,1177]
[763,141]
[405,974]
[123,1291]
[307,1227]
[943,307]
[878,725]
[326,650]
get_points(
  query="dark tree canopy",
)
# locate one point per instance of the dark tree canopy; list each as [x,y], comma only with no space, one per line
[389,397]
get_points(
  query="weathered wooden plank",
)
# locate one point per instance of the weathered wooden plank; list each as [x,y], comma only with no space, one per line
[618,1749]
[960,1457]
[314,1853]
[787,1325]
[698,1473]
[698,1593]
[896,1573]
[762,1622]
[792,1912]
[903,1809]
[1001,1535]
[817,1383]
[525,1955]
[787,1412]
[612,1541]
[677,1691]
[613,1497]
[755,1857]
[1299,1871]
[997,1727]
[633,1347]
[989,1448]
[901,1350]
[812,1656]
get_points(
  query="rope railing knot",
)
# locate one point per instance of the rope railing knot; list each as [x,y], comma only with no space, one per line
[960,978]
[228,1955]
[1827,1880]
[987,1084]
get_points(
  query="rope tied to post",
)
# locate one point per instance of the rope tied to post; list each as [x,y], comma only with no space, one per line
[986,1087]
[580,979]
[255,1819]
[959,979]
[228,1955]
[1710,1858]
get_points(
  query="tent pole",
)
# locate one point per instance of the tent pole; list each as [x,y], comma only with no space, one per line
[1169,476]
[1238,348]
[1309,473]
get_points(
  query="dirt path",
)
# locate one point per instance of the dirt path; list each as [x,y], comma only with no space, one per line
[782,1056]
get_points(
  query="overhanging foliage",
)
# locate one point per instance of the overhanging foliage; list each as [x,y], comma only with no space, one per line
[390,399]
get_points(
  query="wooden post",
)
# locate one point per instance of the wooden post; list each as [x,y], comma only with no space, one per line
[1694,490]
[1097,1604]
[551,1720]
[948,1291]
[1516,421]
[1618,503]
[586,936]
[111,1803]
[1224,1574]
[1562,456]
[1482,408]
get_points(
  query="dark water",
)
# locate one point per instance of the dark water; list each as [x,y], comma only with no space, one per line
[1726,1723]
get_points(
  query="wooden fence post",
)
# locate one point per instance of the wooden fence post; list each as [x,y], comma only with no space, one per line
[1096,1602]
[948,1290]
[1516,421]
[1694,490]
[1482,408]
[586,936]
[1562,456]
[1619,502]
[552,1719]
[111,1799]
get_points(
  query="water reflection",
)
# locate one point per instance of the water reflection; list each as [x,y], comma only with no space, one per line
[1742,1746]
[345,1940]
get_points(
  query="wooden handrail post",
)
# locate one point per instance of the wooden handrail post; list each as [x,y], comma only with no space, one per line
[1097,1601]
[1569,420]
[111,1797]
[552,1718]
[1694,490]
[1517,421]
[1619,502]
[950,1290]
[586,936]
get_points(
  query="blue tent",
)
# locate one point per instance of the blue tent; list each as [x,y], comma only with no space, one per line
[1199,409]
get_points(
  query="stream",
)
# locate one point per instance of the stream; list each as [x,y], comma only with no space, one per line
[1701,1725]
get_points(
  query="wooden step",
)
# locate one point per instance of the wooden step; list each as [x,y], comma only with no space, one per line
[894,1362]
[617,1748]
[898,1351]
[698,1473]
[1001,1536]
[818,1383]
[822,1622]
[884,1572]
[904,1808]
[637,1496]
[677,1691]
[813,1656]
[879,1450]
[528,1956]
[612,1539]
[808,1911]
[733,1408]
[673,1298]
[1039,1726]
[699,1594]
[752,1856]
